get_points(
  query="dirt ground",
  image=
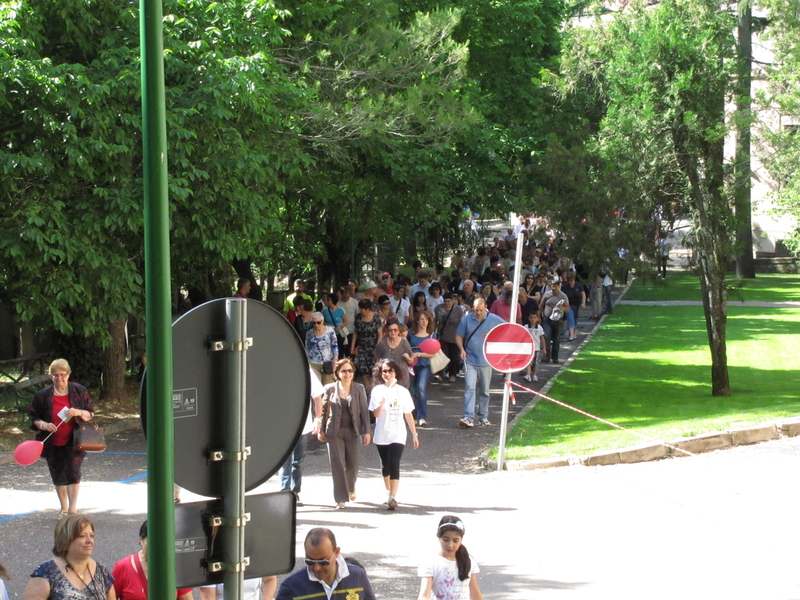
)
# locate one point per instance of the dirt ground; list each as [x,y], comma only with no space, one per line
[14,425]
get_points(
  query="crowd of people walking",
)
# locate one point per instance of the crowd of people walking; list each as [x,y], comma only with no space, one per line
[378,345]
[373,350]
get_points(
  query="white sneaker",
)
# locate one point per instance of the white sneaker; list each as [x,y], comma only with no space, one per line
[526,377]
[535,378]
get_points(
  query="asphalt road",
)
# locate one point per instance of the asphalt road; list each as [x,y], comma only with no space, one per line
[719,525]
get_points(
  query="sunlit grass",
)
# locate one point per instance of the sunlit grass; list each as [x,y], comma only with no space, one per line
[648,369]
[681,285]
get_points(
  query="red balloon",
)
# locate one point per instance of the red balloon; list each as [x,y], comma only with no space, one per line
[430,346]
[28,452]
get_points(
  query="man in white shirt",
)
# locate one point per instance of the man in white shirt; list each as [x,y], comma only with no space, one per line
[399,304]
[350,307]
[519,226]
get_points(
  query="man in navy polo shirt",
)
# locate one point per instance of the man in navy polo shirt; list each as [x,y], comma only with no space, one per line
[326,573]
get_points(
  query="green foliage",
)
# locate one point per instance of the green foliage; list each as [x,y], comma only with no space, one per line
[383,104]
[297,134]
[783,73]
[67,231]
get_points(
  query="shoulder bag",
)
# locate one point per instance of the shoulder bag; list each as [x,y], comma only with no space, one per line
[88,439]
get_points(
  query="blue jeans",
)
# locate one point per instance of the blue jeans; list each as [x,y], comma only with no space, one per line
[572,317]
[476,381]
[291,472]
[419,391]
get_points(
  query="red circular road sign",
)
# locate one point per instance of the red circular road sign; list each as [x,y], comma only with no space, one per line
[508,347]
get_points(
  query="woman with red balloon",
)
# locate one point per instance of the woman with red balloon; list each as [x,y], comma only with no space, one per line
[53,415]
[424,346]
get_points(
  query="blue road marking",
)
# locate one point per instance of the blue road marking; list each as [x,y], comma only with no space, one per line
[134,478]
[8,518]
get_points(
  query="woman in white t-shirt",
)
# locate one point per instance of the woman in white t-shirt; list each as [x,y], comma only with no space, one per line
[451,574]
[392,406]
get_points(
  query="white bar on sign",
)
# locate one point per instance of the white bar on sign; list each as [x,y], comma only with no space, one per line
[509,348]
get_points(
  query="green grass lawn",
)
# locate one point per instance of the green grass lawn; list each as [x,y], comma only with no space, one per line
[681,285]
[648,369]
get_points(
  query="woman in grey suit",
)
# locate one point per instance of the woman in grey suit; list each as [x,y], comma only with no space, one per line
[345,427]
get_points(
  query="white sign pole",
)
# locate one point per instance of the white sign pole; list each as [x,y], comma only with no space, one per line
[501,451]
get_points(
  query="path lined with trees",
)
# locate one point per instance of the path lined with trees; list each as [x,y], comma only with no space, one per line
[305,135]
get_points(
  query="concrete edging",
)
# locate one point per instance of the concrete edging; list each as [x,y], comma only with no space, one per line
[706,442]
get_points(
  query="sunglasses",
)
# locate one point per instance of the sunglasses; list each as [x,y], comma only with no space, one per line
[345,370]
[323,562]
[316,322]
[385,303]
[387,370]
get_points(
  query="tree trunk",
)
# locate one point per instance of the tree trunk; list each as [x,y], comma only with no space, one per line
[745,265]
[711,248]
[114,364]
[712,284]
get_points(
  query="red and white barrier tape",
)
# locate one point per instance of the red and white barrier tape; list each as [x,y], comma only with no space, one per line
[511,392]
[578,410]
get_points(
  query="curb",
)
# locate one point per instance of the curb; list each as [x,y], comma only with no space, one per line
[706,442]
[113,429]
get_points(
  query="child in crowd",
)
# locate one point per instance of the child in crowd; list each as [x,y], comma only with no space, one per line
[536,330]
[404,333]
[452,573]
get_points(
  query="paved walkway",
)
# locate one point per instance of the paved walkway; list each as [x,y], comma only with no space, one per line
[716,525]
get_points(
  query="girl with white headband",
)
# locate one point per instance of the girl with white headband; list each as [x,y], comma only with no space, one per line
[451,574]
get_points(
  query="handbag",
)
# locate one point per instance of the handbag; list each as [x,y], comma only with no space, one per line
[88,439]
[439,361]
[327,367]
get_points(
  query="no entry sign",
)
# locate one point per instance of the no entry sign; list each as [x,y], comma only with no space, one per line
[508,347]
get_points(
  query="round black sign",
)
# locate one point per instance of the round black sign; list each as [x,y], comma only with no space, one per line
[278,393]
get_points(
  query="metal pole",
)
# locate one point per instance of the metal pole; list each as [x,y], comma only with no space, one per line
[233,501]
[501,450]
[160,465]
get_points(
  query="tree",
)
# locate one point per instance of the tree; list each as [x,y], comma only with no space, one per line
[665,71]
[70,214]
[384,105]
[782,93]
[745,264]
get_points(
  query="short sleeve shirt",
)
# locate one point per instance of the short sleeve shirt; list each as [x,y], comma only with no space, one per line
[446,584]
[390,426]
